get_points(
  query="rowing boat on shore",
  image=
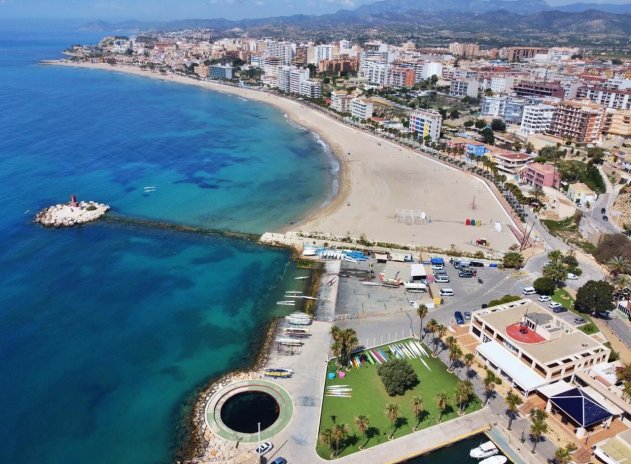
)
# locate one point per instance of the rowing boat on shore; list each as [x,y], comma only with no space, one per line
[286,303]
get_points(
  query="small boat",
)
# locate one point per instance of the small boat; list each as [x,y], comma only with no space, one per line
[278,372]
[499,459]
[371,284]
[286,303]
[289,342]
[485,450]
[301,278]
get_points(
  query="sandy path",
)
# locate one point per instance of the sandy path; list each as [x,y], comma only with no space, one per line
[377,178]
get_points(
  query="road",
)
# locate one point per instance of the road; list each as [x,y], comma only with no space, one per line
[605,201]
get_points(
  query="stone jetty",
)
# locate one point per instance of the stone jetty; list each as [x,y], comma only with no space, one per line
[71,214]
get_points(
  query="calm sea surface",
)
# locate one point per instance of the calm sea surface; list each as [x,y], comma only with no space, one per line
[105,330]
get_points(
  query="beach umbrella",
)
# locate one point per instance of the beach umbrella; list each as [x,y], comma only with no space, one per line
[341,375]
[331,375]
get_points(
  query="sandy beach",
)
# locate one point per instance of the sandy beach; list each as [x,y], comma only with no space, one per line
[377,178]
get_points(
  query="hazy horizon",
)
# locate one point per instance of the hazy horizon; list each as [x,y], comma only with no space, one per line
[161,10]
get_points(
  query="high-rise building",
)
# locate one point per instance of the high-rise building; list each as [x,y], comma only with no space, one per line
[323,52]
[578,121]
[282,50]
[310,89]
[617,123]
[536,119]
[619,99]
[432,68]
[341,101]
[539,89]
[522,53]
[464,88]
[464,49]
[426,123]
[361,108]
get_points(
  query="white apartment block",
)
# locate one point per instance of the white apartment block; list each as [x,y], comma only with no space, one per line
[283,50]
[296,77]
[310,89]
[361,108]
[610,98]
[536,119]
[432,68]
[502,84]
[464,88]
[323,52]
[426,122]
[375,71]
[341,101]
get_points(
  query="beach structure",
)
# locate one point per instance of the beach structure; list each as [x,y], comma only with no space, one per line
[71,213]
[530,347]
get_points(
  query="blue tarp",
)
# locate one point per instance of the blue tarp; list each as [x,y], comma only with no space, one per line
[580,408]
[438,261]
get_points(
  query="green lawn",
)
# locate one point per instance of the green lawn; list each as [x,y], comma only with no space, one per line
[563,297]
[369,398]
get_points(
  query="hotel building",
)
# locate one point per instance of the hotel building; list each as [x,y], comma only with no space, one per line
[341,101]
[536,119]
[426,122]
[361,108]
[530,347]
[578,121]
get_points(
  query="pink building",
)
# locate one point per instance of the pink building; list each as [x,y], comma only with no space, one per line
[543,175]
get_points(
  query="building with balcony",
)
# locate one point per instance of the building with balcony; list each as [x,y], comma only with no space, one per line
[536,119]
[221,71]
[510,162]
[341,101]
[539,89]
[426,123]
[529,346]
[540,175]
[619,99]
[361,108]
[523,53]
[617,123]
[578,121]
[464,88]
[509,109]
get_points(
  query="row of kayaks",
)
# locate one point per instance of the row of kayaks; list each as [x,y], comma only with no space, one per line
[375,356]
[338,391]
[298,319]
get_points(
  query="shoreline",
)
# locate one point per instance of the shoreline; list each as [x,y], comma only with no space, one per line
[333,198]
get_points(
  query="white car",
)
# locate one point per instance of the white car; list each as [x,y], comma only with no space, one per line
[544,298]
[446,292]
[437,267]
[555,305]
[571,276]
[529,291]
[264,448]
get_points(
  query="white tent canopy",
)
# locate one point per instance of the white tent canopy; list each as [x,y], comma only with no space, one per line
[522,375]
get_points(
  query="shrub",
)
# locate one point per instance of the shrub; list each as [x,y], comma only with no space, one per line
[497,125]
[397,376]
[91,208]
[611,246]
[544,286]
[513,259]
[504,299]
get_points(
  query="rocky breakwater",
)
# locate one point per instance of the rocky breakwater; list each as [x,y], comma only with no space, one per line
[69,214]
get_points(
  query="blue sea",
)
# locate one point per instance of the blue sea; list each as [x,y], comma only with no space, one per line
[106,330]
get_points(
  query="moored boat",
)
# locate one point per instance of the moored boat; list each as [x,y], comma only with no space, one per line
[499,459]
[485,450]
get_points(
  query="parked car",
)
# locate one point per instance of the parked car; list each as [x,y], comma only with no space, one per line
[467,316]
[440,272]
[605,218]
[579,320]
[466,274]
[603,314]
[441,279]
[437,267]
[529,291]
[476,264]
[571,276]
[446,292]
[544,298]
[279,461]
[264,448]
[603,210]
[484,306]
[459,318]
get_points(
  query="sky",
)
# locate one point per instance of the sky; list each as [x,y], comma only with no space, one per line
[152,10]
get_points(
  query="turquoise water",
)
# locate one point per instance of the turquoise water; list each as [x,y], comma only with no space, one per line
[107,330]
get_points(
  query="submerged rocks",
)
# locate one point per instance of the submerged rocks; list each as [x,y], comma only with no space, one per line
[68,215]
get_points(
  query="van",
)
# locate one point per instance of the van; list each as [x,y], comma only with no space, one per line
[446,292]
[529,291]
[476,264]
[441,279]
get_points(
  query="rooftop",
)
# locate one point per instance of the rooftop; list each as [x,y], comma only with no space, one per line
[564,342]
[546,168]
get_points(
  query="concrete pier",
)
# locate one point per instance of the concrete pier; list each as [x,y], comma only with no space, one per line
[68,214]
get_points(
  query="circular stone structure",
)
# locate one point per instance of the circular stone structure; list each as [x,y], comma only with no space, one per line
[233,412]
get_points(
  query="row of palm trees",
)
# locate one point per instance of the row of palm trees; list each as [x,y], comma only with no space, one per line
[336,437]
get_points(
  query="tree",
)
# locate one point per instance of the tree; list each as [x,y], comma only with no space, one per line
[555,270]
[469,123]
[497,125]
[421,313]
[619,265]
[529,147]
[537,193]
[397,376]
[595,295]
[339,434]
[468,361]
[362,423]
[538,426]
[455,353]
[326,438]
[454,114]
[432,325]
[564,455]
[487,136]
[464,390]
[512,403]
[513,259]
[392,412]
[544,286]
[441,330]
[480,123]
[417,409]
[442,403]
[344,342]
[489,382]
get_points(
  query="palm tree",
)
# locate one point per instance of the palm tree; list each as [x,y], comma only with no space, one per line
[362,423]
[555,270]
[489,385]
[619,265]
[392,411]
[421,312]
[326,438]
[441,402]
[538,426]
[432,325]
[344,342]
[468,361]
[564,455]
[512,403]
[339,433]
[555,256]
[464,389]
[455,353]
[441,330]
[450,341]
[417,410]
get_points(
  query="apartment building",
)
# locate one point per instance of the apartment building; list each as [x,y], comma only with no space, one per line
[361,108]
[221,71]
[464,49]
[522,53]
[426,123]
[464,88]
[619,99]
[284,51]
[617,123]
[502,85]
[530,347]
[510,109]
[540,175]
[310,89]
[341,101]
[536,119]
[323,52]
[432,68]
[539,89]
[510,162]
[402,77]
[579,121]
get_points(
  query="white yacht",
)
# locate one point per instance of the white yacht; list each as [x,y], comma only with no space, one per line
[485,450]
